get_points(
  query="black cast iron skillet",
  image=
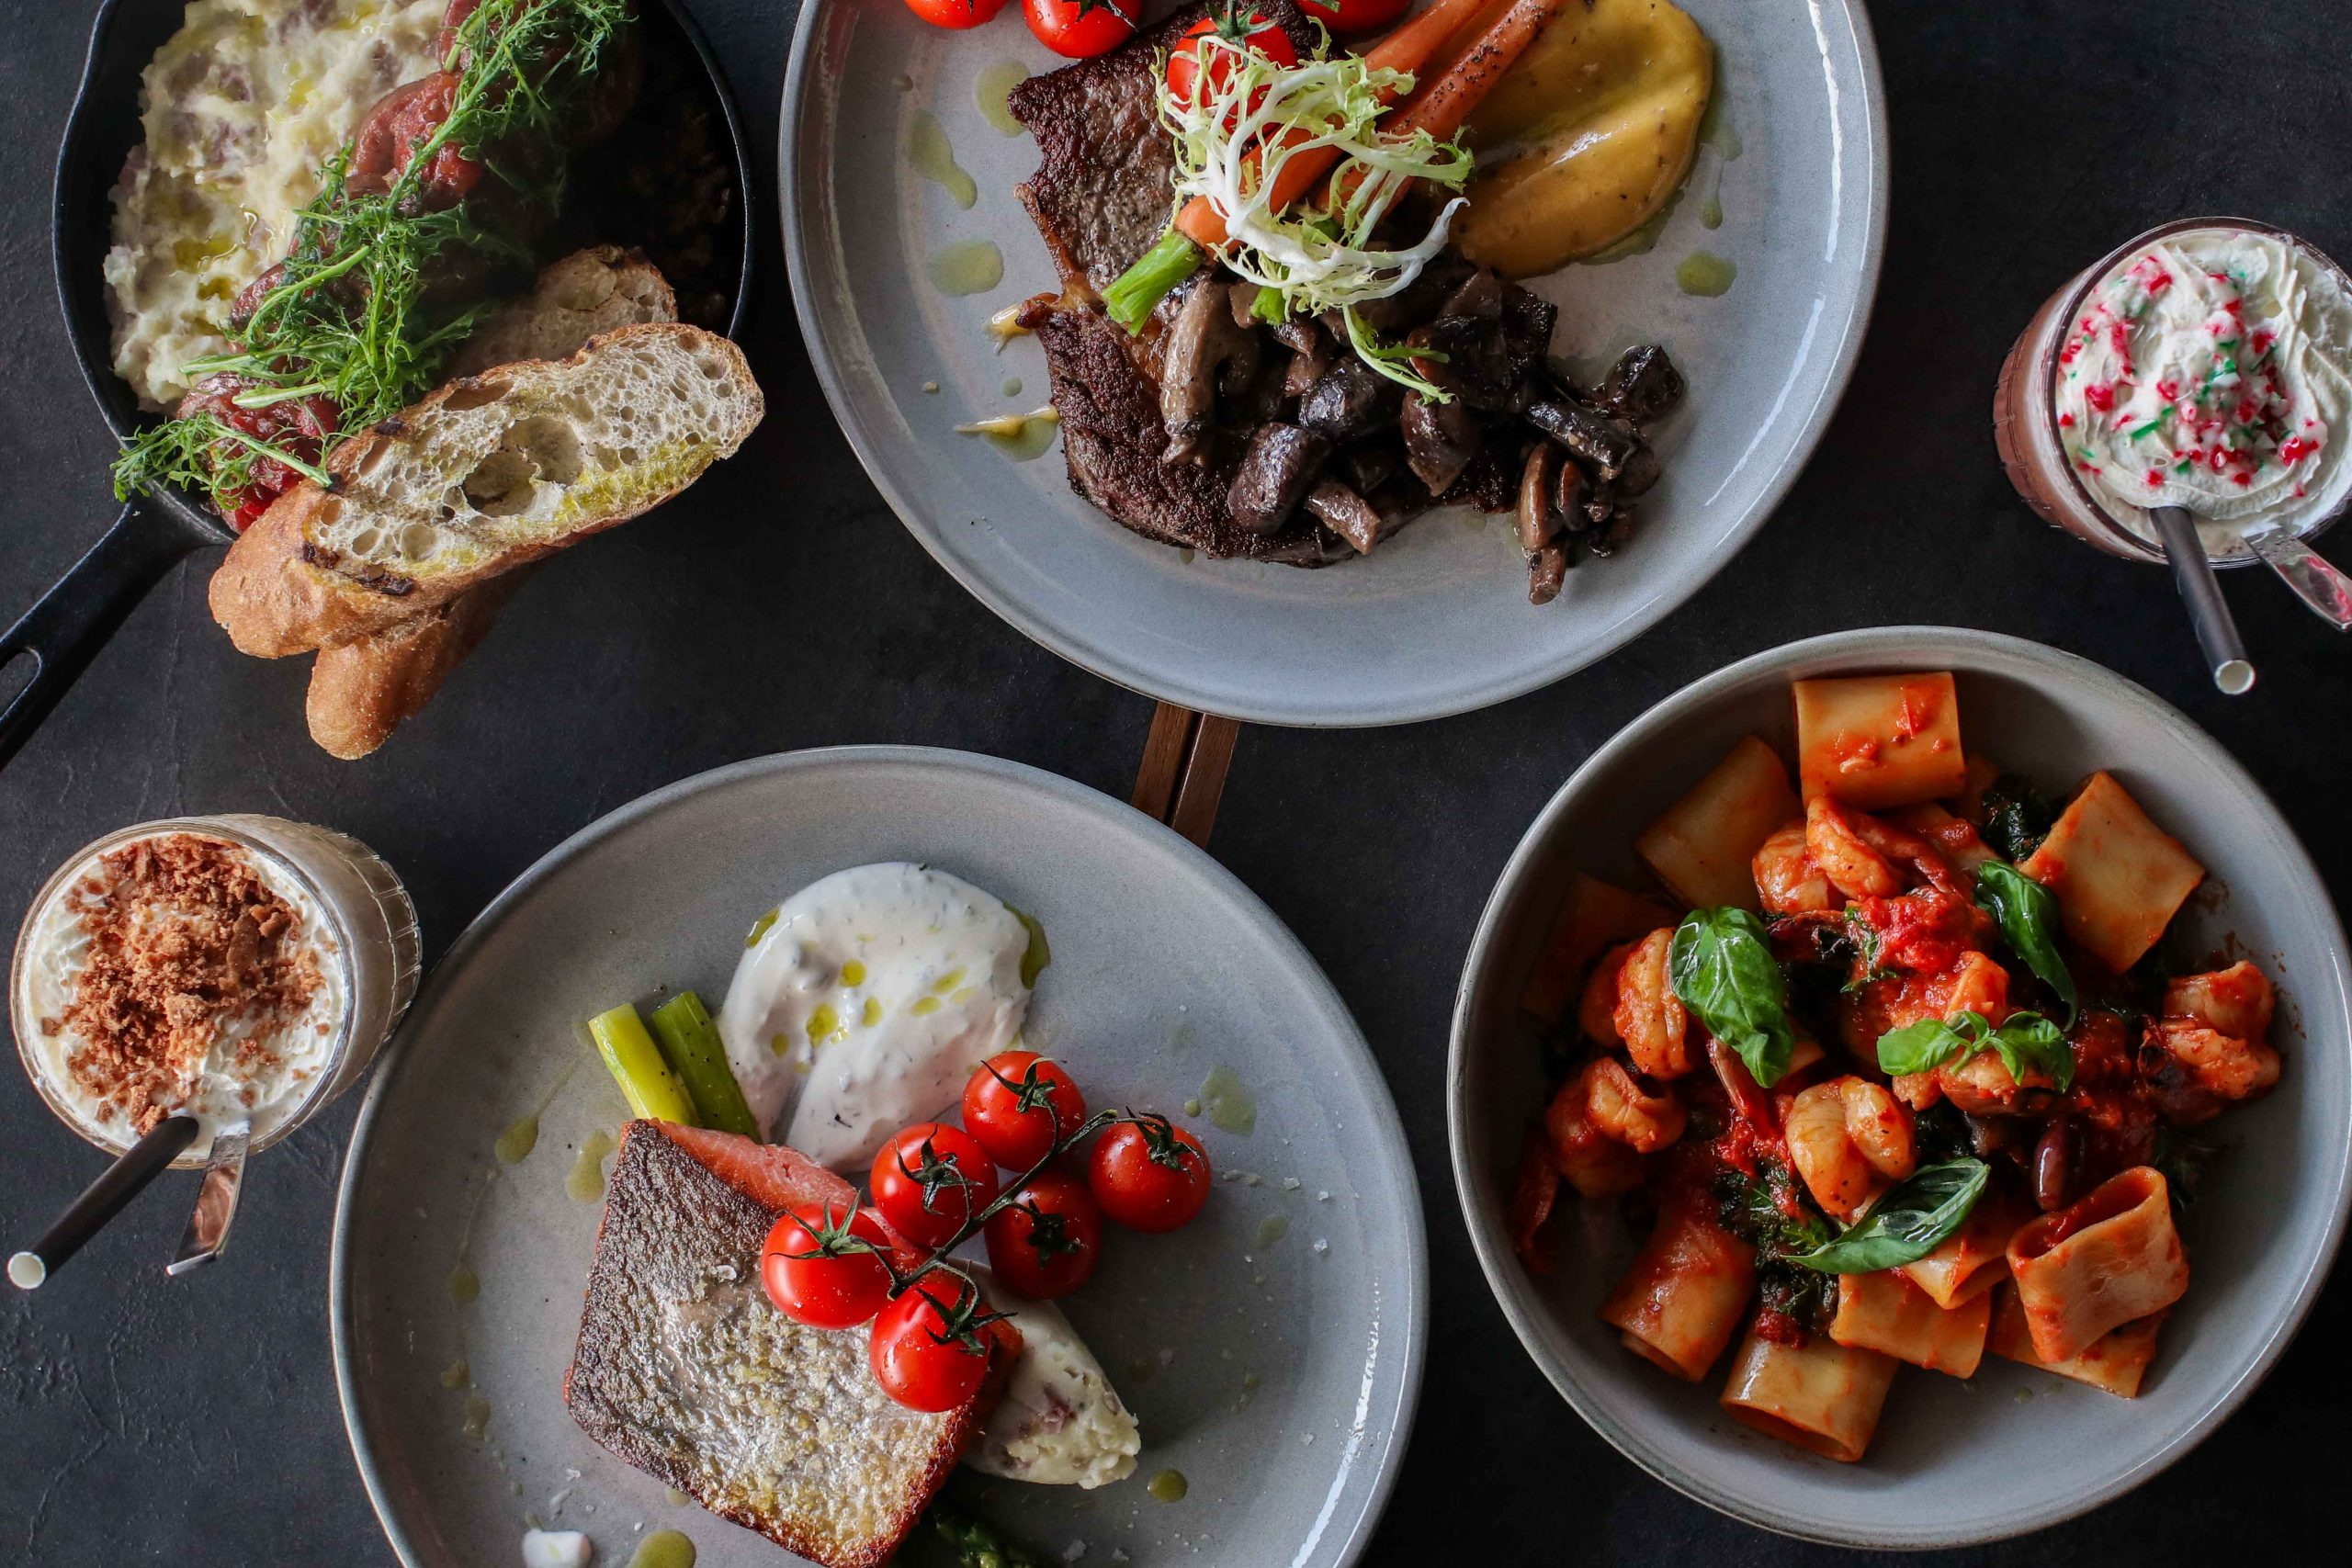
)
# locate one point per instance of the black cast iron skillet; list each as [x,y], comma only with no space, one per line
[59,636]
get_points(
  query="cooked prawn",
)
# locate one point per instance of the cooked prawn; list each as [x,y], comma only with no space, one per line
[1596,1165]
[1625,1110]
[1844,1136]
[2236,1001]
[1597,1011]
[2196,1069]
[1787,877]
[1650,1019]
[1859,853]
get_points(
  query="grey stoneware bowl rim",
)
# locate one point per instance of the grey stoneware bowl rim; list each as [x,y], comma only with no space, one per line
[1395,1163]
[1966,649]
[1106,662]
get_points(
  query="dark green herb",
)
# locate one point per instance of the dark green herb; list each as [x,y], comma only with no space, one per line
[2181,1158]
[2027,1042]
[1909,1221]
[1720,965]
[1771,1212]
[977,1545]
[353,317]
[1941,1133]
[2016,817]
[2027,913]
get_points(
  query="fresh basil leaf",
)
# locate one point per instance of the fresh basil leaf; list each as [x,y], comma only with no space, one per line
[2017,818]
[2028,1040]
[1720,965]
[2027,913]
[1920,1047]
[1909,1221]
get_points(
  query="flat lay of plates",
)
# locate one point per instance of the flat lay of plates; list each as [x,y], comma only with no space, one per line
[1582,939]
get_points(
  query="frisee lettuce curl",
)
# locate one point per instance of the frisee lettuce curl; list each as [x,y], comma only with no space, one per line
[1249,117]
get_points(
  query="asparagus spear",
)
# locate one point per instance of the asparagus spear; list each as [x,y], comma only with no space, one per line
[636,1065]
[692,1047]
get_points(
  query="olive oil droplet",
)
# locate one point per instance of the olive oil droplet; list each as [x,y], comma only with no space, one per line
[463,1285]
[1228,1101]
[995,85]
[967,266]
[516,1144]
[934,160]
[664,1549]
[1704,273]
[1170,1486]
[586,1182]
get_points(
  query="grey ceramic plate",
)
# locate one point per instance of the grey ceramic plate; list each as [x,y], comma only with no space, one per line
[1281,1370]
[1437,622]
[2011,1449]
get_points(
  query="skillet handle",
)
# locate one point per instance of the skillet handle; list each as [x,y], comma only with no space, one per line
[61,635]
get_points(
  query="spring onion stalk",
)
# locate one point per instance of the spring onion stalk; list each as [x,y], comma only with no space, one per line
[691,1045]
[635,1062]
[1249,117]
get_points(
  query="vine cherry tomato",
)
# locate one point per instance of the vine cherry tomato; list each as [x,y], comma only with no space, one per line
[1149,1174]
[1015,1104]
[928,1180]
[1080,29]
[1237,24]
[929,1347]
[1346,16]
[1046,1241]
[814,1274]
[955,14]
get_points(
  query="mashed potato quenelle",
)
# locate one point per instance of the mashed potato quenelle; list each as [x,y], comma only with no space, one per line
[240,109]
[1587,137]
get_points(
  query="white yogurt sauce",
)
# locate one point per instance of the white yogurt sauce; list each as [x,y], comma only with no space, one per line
[866,1001]
[220,1092]
[1061,1422]
[2210,370]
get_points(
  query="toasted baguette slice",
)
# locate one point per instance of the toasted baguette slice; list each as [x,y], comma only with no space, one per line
[487,473]
[598,290]
[684,1368]
[361,692]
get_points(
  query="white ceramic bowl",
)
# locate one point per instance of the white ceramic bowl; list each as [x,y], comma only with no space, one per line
[2012,1450]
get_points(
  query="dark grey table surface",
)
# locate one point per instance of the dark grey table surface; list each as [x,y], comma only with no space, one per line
[196,1421]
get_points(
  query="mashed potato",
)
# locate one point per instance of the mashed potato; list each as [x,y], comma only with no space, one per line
[240,109]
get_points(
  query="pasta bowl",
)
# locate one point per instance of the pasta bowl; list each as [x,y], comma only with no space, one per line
[2014,1448]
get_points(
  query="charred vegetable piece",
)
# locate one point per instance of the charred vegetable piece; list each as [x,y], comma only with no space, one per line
[1440,441]
[1591,436]
[1642,471]
[1641,386]
[1206,350]
[1538,524]
[1568,499]
[1367,465]
[1350,399]
[1346,513]
[1276,474]
[1476,361]
[1547,569]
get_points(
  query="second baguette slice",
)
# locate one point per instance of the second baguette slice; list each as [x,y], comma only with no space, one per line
[482,476]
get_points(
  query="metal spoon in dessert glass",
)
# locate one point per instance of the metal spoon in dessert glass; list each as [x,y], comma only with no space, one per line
[2209,612]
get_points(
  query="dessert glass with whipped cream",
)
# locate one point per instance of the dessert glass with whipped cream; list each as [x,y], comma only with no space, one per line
[2206,365]
[234,968]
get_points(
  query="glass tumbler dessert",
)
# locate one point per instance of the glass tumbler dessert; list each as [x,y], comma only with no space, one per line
[2206,365]
[237,969]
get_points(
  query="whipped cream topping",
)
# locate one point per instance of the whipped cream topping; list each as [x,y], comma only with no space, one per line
[2210,370]
[180,973]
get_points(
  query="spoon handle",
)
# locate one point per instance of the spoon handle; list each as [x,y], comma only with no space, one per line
[2209,612]
[2314,580]
[215,1201]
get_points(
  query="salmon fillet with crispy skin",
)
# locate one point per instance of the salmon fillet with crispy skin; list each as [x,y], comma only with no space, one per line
[684,1370]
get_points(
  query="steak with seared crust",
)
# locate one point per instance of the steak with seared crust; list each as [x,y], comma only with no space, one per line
[1101,197]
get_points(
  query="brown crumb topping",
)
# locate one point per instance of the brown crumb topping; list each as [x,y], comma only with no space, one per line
[187,945]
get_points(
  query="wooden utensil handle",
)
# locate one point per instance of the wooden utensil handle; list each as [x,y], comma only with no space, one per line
[1185,759]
